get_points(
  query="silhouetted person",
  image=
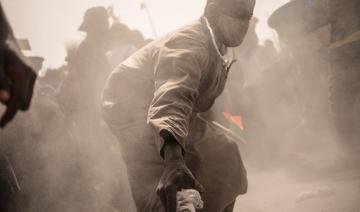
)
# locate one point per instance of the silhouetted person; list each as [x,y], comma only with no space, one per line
[88,68]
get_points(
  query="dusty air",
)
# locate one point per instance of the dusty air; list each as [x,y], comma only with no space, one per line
[180,106]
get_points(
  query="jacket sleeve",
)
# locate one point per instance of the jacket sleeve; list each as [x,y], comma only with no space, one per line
[177,75]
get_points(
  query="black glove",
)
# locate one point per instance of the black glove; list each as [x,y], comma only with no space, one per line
[176,175]
[17,81]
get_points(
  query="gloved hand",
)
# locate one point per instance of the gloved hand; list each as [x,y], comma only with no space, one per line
[17,81]
[176,175]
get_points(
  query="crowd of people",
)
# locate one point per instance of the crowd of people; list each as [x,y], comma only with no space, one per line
[67,153]
[61,145]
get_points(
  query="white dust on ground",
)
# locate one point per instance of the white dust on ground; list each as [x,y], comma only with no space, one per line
[314,183]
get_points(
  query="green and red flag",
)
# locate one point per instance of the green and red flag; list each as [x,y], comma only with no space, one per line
[234,119]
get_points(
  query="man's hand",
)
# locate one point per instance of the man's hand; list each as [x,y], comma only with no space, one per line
[17,81]
[176,176]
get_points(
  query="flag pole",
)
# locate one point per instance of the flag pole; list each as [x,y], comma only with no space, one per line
[145,7]
[227,131]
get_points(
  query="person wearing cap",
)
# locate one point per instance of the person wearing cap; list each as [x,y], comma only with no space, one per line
[88,68]
[153,103]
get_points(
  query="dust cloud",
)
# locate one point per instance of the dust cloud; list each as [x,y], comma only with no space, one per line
[295,157]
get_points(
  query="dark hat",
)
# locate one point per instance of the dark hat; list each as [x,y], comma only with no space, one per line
[94,17]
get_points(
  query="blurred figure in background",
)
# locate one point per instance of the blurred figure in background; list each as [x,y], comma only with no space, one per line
[56,161]
[304,16]
[88,68]
[79,97]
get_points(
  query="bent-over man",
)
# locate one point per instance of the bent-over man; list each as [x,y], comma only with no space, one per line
[152,103]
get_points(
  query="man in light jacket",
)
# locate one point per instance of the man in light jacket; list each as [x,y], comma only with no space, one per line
[152,103]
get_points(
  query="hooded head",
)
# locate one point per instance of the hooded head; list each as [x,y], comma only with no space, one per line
[230,19]
[95,21]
